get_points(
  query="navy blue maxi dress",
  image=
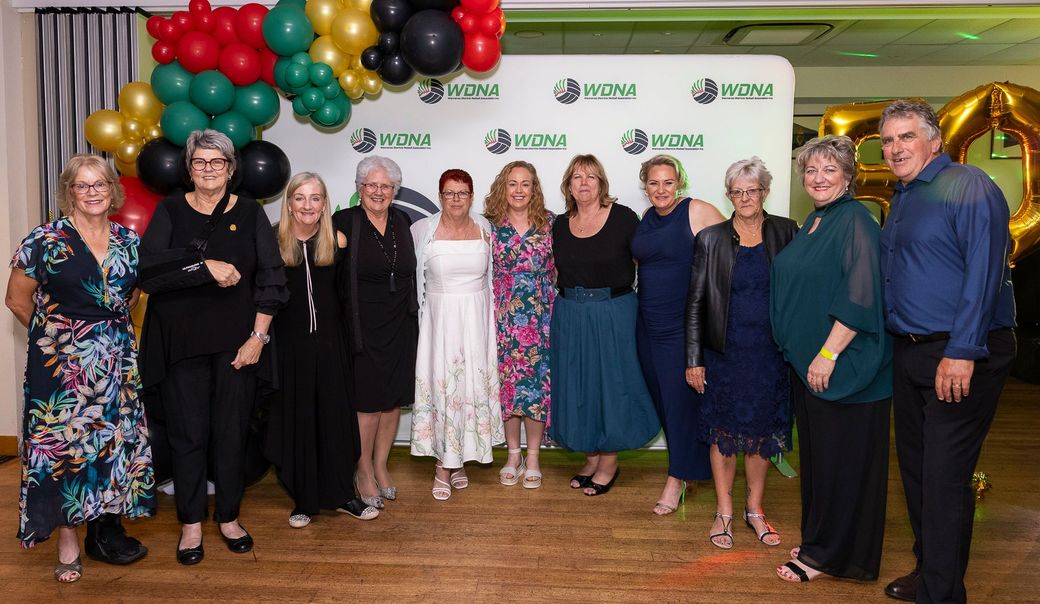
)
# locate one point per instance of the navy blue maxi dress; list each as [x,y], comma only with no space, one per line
[663,247]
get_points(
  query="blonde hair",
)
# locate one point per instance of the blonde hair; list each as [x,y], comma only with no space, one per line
[590,163]
[681,180]
[67,200]
[496,204]
[291,247]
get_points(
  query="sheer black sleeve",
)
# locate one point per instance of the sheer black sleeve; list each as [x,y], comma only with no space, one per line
[270,291]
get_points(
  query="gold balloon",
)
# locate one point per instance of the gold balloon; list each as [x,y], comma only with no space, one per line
[321,14]
[128,150]
[137,101]
[362,5]
[371,83]
[126,168]
[137,315]
[350,80]
[324,50]
[355,64]
[133,128]
[104,129]
[154,131]
[1014,109]
[354,31]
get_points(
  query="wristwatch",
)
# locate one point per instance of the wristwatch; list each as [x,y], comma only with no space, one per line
[263,337]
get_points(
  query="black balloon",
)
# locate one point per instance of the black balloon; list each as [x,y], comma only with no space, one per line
[388,42]
[445,5]
[432,43]
[390,15]
[160,166]
[371,58]
[264,168]
[395,70]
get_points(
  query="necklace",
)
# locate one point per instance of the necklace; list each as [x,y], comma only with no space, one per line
[751,233]
[588,221]
[390,259]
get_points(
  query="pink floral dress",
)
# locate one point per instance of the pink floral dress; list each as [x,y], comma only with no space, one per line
[524,288]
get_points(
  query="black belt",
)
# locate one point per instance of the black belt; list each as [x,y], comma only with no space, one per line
[924,338]
[575,292]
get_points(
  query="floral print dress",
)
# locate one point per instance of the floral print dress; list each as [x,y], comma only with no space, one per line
[85,440]
[524,288]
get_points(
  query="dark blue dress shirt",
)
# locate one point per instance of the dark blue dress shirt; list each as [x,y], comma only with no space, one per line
[944,259]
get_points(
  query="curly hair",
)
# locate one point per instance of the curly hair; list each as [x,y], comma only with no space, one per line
[841,149]
[496,204]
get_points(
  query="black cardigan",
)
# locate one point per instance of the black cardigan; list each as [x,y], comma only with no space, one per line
[707,302]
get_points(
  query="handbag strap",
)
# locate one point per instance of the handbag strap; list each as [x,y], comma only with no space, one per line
[199,243]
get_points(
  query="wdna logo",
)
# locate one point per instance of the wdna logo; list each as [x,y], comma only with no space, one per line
[498,141]
[567,90]
[430,91]
[363,140]
[704,91]
[634,141]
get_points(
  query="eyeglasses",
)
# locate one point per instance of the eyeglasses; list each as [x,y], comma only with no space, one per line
[739,194]
[100,186]
[460,195]
[216,164]
[372,187]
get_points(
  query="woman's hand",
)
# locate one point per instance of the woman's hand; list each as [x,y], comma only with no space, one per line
[695,378]
[819,375]
[248,353]
[226,275]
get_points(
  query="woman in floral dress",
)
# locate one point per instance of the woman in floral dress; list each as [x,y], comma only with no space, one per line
[86,452]
[524,286]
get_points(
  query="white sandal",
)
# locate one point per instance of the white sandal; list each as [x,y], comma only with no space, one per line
[516,472]
[440,493]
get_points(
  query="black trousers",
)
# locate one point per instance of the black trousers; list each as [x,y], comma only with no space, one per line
[208,405]
[843,457]
[938,446]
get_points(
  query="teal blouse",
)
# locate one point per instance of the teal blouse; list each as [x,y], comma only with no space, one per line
[834,274]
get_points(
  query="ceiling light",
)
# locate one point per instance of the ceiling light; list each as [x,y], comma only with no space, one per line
[776,34]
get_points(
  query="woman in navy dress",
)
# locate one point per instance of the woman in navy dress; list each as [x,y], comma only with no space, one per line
[663,247]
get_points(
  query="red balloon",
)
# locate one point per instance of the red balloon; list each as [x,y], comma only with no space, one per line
[240,63]
[481,53]
[491,23]
[183,18]
[249,24]
[170,31]
[479,7]
[198,51]
[140,204]
[458,13]
[164,52]
[224,25]
[153,25]
[204,22]
[196,7]
[267,60]
[468,24]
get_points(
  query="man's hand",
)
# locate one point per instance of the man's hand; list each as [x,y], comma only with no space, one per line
[953,379]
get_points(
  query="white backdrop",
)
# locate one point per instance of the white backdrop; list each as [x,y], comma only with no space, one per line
[707,110]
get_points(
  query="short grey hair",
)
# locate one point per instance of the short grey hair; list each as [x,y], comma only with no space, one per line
[378,162]
[841,149]
[210,139]
[905,109]
[750,169]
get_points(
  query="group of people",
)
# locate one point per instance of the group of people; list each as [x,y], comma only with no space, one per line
[738,327]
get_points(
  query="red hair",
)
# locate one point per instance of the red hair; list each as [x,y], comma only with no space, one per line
[456,175]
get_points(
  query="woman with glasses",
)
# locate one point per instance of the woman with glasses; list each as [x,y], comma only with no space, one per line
[663,248]
[312,435]
[731,357]
[456,417]
[201,343]
[380,315]
[85,456]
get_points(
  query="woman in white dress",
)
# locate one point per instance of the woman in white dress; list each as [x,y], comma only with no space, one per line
[456,416]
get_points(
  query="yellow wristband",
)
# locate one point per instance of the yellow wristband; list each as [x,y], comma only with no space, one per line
[833,356]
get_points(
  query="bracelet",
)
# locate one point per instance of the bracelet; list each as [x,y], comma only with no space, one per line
[833,356]
[263,337]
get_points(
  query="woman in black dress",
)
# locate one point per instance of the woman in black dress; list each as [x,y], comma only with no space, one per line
[381,319]
[313,434]
[200,344]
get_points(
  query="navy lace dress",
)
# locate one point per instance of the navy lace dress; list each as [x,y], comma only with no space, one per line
[747,405]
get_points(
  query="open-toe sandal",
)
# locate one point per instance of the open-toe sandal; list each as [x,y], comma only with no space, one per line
[510,475]
[669,508]
[458,479]
[441,490]
[727,531]
[68,572]
[767,529]
[796,569]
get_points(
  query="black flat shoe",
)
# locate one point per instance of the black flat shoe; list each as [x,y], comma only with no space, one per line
[190,556]
[239,545]
[582,480]
[601,489]
[359,509]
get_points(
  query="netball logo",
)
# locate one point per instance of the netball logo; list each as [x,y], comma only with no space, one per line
[498,141]
[430,91]
[704,91]
[567,91]
[634,141]
[363,140]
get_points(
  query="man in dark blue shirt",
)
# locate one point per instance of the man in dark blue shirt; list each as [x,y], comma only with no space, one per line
[949,302]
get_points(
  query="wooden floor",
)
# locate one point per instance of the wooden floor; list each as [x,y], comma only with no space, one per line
[490,543]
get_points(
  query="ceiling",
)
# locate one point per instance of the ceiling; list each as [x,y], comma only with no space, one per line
[877,37]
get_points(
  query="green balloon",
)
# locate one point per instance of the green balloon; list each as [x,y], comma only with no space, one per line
[345,106]
[212,92]
[297,76]
[287,30]
[328,115]
[171,82]
[235,126]
[299,108]
[279,72]
[313,99]
[258,102]
[321,74]
[331,90]
[302,58]
[299,3]
[180,119]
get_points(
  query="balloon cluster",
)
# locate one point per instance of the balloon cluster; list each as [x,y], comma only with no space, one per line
[483,23]
[124,132]
[344,30]
[314,91]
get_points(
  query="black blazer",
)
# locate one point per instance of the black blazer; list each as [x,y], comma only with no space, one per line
[707,302]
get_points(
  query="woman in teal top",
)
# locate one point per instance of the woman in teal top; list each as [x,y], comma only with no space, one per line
[828,319]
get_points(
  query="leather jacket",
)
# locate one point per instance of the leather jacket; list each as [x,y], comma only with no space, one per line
[707,301]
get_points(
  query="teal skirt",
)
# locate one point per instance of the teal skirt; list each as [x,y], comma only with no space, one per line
[599,398]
